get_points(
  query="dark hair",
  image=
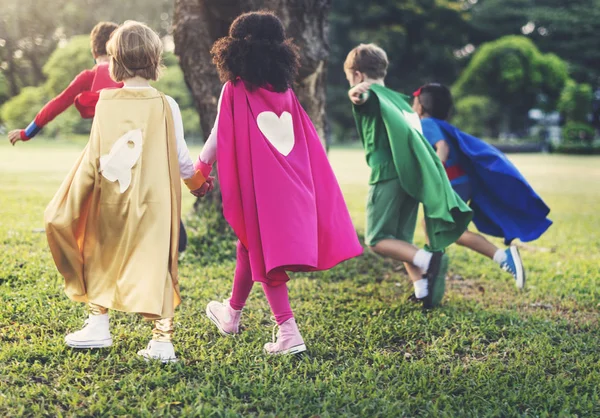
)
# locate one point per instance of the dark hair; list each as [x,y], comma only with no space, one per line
[436,100]
[100,35]
[258,52]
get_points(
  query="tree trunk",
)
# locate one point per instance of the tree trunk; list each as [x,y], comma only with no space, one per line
[199,23]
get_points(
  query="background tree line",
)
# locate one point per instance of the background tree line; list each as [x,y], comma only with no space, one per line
[501,57]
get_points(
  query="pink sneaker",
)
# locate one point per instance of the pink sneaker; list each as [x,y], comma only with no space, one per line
[289,340]
[224,317]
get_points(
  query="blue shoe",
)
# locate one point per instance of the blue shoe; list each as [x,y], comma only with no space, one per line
[514,265]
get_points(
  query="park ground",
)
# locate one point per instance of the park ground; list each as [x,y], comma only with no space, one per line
[488,351]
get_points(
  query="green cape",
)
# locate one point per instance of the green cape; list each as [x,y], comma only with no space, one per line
[421,172]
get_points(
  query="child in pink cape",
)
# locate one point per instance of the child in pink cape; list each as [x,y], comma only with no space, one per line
[280,195]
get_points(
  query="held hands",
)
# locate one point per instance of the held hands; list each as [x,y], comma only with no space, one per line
[14,136]
[207,187]
[358,93]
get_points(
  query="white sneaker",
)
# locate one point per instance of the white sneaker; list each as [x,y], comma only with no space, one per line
[95,334]
[158,350]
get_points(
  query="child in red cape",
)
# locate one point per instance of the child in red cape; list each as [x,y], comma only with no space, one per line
[83,91]
[279,192]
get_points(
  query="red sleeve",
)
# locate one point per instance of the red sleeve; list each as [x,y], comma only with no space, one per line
[83,82]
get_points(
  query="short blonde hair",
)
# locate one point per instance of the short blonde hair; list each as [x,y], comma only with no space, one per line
[135,50]
[369,59]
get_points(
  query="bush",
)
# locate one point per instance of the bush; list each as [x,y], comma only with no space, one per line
[66,62]
[579,132]
[19,111]
[172,83]
[474,114]
[576,101]
[577,149]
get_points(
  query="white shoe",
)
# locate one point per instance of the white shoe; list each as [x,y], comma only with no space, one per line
[158,350]
[95,334]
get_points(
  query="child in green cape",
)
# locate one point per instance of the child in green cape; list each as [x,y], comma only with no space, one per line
[405,171]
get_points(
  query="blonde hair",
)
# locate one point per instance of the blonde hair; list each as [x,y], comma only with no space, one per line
[368,59]
[135,50]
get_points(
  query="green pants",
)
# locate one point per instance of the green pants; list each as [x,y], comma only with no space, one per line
[391,213]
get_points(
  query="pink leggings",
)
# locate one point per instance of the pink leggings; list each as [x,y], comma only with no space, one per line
[242,285]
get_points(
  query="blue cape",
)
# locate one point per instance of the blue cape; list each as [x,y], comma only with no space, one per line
[504,204]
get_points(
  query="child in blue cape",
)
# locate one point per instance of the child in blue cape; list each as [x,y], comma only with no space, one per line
[504,204]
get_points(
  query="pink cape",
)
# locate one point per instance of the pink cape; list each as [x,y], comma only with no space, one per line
[288,211]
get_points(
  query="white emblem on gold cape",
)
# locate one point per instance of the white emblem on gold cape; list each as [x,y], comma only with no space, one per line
[123,155]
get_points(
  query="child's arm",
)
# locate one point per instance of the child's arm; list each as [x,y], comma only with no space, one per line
[208,155]
[83,82]
[359,94]
[192,178]
[442,150]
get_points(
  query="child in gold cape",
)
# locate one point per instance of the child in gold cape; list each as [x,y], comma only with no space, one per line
[113,225]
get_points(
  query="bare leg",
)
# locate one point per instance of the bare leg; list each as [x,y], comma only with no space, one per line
[401,251]
[414,272]
[478,243]
[473,241]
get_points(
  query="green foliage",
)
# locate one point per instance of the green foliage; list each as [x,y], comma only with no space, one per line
[32,29]
[514,74]
[576,148]
[579,132]
[488,351]
[4,89]
[66,62]
[576,101]
[419,37]
[569,30]
[475,115]
[62,67]
[19,111]
[172,83]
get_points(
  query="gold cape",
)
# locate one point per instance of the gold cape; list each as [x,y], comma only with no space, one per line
[119,249]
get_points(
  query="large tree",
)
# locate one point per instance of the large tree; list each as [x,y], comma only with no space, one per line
[516,76]
[419,36]
[566,28]
[198,23]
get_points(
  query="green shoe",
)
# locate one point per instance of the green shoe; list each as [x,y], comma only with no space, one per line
[436,280]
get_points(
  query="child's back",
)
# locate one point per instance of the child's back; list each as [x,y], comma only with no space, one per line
[113,225]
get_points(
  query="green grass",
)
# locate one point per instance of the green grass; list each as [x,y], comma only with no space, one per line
[488,351]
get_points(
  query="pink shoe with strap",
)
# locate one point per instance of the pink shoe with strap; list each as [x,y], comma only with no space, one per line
[224,317]
[289,340]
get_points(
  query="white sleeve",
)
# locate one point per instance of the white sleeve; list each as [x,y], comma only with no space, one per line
[186,165]
[209,151]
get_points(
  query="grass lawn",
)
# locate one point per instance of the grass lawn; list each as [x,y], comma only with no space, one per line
[488,351]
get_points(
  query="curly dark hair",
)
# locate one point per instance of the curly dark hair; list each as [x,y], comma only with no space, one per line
[100,36]
[436,100]
[257,52]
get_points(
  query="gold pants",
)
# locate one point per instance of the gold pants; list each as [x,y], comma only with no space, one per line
[163,327]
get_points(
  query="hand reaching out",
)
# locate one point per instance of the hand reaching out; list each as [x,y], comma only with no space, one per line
[14,136]
[207,187]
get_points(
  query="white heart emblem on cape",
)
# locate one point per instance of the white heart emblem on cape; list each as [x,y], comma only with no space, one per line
[279,131]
